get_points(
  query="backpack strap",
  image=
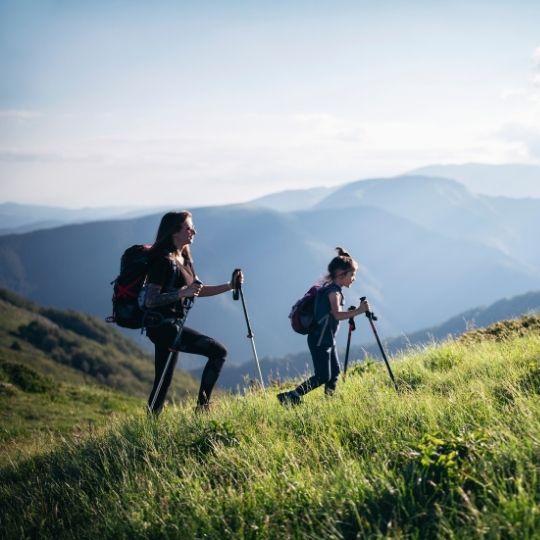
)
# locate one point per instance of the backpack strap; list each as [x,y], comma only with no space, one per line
[195,277]
[322,290]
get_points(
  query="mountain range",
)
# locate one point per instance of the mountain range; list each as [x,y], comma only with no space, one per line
[515,181]
[507,180]
[21,218]
[428,248]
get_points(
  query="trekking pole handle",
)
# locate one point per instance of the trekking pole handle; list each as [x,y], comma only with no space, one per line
[369,314]
[187,301]
[191,299]
[236,283]
[352,325]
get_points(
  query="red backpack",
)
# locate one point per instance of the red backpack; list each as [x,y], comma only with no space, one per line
[134,266]
[302,314]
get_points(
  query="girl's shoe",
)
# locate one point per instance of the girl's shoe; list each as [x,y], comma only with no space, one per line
[290,398]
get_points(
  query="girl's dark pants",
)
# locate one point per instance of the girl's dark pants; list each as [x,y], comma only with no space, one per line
[192,342]
[326,366]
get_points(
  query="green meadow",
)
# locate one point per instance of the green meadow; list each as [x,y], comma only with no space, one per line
[454,454]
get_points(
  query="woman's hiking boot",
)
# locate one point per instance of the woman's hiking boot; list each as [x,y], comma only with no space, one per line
[203,408]
[290,398]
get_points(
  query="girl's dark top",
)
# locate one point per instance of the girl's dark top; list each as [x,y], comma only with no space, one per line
[324,334]
[171,276]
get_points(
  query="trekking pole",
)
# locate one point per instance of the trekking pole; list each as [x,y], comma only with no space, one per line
[371,316]
[352,328]
[174,348]
[237,291]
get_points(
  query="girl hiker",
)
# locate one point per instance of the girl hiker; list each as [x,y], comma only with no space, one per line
[327,314]
[170,279]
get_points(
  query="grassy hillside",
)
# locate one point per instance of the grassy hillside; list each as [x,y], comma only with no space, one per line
[454,454]
[37,413]
[64,372]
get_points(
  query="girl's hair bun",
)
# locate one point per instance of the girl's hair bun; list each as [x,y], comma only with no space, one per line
[342,252]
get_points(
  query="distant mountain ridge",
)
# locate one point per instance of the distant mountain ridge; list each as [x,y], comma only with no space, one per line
[21,218]
[504,180]
[514,180]
[442,204]
[449,208]
[293,199]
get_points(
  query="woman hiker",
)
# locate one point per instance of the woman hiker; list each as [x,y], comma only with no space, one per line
[170,279]
[322,340]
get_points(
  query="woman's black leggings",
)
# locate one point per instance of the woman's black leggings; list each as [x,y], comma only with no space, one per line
[327,369]
[192,342]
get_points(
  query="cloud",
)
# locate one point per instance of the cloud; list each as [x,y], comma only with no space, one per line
[27,157]
[329,126]
[530,91]
[526,135]
[509,93]
[16,156]
[19,114]
[536,57]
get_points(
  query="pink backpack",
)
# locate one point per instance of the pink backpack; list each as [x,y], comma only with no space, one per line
[302,314]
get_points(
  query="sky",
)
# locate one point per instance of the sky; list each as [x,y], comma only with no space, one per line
[132,103]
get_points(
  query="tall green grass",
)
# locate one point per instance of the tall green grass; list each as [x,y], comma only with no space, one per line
[454,454]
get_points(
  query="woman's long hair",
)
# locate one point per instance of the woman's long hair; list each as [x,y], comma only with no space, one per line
[170,224]
[342,263]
